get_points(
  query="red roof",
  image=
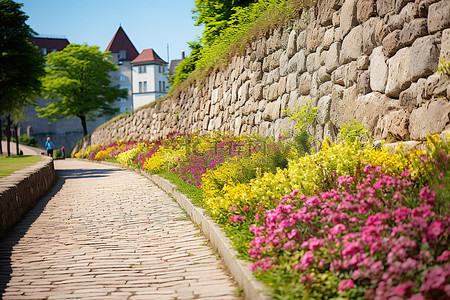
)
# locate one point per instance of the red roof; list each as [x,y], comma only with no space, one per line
[148,55]
[49,43]
[120,42]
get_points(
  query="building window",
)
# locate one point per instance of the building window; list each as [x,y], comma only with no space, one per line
[140,86]
[122,77]
[123,109]
[54,50]
[44,51]
[164,86]
[122,54]
[145,86]
[123,99]
[143,69]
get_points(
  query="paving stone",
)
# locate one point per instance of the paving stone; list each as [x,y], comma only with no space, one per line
[108,233]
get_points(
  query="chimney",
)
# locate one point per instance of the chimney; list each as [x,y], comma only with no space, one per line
[182,55]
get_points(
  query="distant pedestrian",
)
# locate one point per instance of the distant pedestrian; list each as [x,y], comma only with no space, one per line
[49,146]
[63,152]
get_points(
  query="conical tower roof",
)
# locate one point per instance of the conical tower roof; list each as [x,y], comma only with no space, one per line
[121,42]
[148,55]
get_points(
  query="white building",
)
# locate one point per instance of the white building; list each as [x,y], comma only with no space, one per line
[122,52]
[150,78]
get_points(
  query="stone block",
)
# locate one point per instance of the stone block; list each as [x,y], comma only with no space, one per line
[411,98]
[413,30]
[301,40]
[272,111]
[363,83]
[438,16]
[300,57]
[365,9]
[423,6]
[378,70]
[328,38]
[310,60]
[275,59]
[395,123]
[370,108]
[363,62]
[325,10]
[385,6]
[368,35]
[304,83]
[336,19]
[323,110]
[352,46]
[291,82]
[284,64]
[343,110]
[399,74]
[348,16]
[338,75]
[419,124]
[400,4]
[436,85]
[312,41]
[332,59]
[424,57]
[391,43]
[323,75]
[325,89]
[445,45]
[351,74]
[282,85]
[381,31]
[292,44]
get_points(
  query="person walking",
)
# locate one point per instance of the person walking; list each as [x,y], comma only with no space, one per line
[63,152]
[49,146]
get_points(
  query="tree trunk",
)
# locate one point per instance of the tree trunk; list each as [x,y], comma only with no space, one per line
[8,135]
[1,137]
[83,123]
[15,126]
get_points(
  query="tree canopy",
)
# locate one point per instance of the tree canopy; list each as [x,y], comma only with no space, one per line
[21,64]
[79,77]
[215,15]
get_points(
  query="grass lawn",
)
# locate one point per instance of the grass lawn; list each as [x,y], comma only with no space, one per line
[14,163]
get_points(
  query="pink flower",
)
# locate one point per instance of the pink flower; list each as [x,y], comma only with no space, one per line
[345,285]
[245,208]
[306,260]
[403,288]
[257,217]
[435,229]
[338,228]
[444,256]
[405,173]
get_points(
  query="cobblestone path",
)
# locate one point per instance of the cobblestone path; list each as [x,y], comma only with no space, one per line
[108,233]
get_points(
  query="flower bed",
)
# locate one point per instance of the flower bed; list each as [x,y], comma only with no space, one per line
[349,221]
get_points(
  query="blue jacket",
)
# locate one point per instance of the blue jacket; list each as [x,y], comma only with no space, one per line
[49,145]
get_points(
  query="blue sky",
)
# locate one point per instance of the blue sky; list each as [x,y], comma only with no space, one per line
[148,23]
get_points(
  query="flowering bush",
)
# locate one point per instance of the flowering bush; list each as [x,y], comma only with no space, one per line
[349,221]
[366,232]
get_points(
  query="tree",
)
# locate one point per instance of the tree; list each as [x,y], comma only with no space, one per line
[215,14]
[78,76]
[21,64]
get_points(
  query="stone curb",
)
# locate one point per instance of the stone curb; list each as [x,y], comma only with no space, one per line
[240,269]
[22,189]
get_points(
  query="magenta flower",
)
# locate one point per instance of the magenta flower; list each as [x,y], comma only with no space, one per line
[345,285]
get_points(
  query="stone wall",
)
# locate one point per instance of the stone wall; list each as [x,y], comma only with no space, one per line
[370,60]
[22,189]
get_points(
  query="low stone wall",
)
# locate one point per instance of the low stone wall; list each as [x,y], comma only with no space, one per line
[370,60]
[22,189]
